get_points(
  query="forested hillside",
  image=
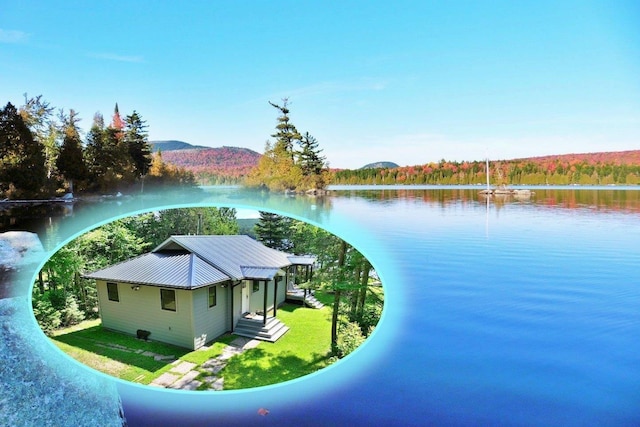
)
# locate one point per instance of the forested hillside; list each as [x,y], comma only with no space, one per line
[223,165]
[604,168]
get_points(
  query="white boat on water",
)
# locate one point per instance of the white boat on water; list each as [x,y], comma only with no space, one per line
[503,189]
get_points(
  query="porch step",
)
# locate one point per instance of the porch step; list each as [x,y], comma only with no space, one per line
[312,302]
[309,301]
[271,332]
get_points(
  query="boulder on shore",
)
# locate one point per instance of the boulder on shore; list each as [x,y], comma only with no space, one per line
[18,249]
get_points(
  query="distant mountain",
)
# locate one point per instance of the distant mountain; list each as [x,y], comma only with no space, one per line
[213,165]
[629,157]
[378,165]
[171,145]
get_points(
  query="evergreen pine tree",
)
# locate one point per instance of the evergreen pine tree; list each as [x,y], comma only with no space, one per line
[22,161]
[135,137]
[70,162]
[274,231]
[312,163]
[286,133]
[96,154]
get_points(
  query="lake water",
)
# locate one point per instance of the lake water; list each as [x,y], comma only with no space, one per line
[497,312]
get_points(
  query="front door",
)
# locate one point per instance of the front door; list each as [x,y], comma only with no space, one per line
[246,292]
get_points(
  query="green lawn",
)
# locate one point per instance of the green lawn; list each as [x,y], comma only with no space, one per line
[301,351]
[121,355]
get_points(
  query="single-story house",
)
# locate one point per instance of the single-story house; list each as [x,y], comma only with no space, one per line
[191,289]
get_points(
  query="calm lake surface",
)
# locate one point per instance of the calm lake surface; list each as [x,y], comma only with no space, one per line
[498,312]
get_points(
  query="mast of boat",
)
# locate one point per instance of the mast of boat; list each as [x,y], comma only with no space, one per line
[487,170]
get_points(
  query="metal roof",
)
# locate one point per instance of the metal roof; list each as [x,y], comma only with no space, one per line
[302,259]
[189,262]
[261,273]
[176,269]
[229,253]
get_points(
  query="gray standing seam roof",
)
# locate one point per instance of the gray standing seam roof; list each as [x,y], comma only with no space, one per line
[189,262]
[259,273]
[229,253]
[178,269]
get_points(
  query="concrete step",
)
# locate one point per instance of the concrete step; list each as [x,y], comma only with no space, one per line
[273,330]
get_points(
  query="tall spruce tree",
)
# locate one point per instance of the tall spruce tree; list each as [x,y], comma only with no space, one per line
[70,162]
[96,152]
[311,163]
[121,168]
[286,134]
[22,161]
[274,231]
[136,139]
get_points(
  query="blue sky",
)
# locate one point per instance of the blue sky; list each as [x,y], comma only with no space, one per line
[405,81]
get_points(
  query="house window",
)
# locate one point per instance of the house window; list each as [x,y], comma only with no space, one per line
[112,292]
[212,296]
[168,299]
[256,285]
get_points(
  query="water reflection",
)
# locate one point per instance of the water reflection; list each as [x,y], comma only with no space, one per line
[56,222]
[623,199]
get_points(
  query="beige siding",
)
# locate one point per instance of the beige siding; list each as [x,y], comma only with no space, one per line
[141,310]
[257,298]
[282,291]
[210,322]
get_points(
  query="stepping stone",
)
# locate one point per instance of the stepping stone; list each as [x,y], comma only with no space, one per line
[159,357]
[165,380]
[218,385]
[213,363]
[191,385]
[239,342]
[251,344]
[148,354]
[186,379]
[229,352]
[183,367]
[213,369]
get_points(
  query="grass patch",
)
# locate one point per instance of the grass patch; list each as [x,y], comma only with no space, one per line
[121,355]
[301,351]
[304,349]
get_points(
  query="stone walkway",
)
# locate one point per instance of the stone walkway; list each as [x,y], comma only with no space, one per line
[182,376]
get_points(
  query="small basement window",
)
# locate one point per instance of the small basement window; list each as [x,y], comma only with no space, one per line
[112,292]
[212,297]
[168,299]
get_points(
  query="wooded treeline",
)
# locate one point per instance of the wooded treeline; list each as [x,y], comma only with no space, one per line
[43,154]
[550,170]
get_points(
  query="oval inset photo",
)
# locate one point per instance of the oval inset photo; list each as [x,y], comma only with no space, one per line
[207,299]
